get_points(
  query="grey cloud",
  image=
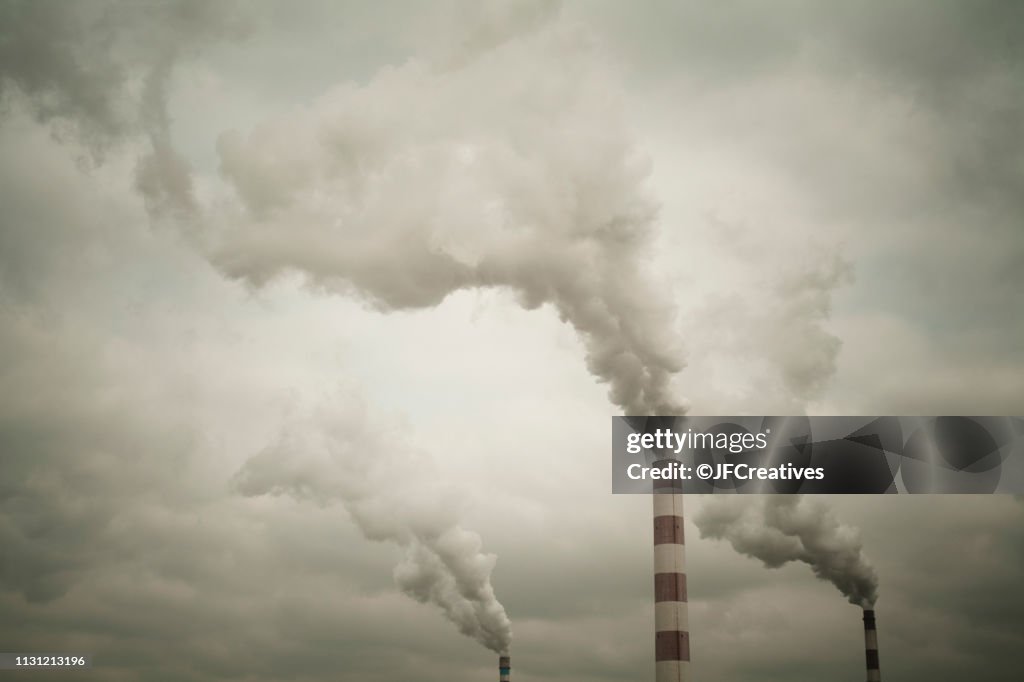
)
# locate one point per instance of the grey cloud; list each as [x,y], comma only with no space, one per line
[58,54]
[102,68]
[76,62]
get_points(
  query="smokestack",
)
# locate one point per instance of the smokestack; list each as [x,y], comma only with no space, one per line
[671,619]
[871,646]
[504,664]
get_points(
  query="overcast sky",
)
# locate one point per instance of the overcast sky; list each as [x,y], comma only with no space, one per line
[287,287]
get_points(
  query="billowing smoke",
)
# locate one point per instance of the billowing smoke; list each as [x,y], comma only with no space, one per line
[497,158]
[485,167]
[473,165]
[390,491]
[778,529]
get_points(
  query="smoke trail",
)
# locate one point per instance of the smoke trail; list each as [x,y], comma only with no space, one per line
[779,529]
[389,491]
[486,169]
[478,165]
[475,165]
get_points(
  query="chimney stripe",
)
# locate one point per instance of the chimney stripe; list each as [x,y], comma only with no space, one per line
[669,587]
[672,615]
[671,670]
[665,505]
[668,530]
[669,558]
[672,645]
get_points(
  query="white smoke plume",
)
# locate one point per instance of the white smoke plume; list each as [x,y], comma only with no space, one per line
[778,529]
[340,455]
[485,167]
[477,164]
[86,81]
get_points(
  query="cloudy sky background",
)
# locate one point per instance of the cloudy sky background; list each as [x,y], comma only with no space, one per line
[830,199]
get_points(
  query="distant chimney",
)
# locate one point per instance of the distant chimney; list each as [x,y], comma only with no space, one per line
[504,664]
[871,646]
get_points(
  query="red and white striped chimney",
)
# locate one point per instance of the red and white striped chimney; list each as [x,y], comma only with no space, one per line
[671,621]
[871,646]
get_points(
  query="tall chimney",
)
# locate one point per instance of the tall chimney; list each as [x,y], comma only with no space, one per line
[671,620]
[871,646]
[504,665]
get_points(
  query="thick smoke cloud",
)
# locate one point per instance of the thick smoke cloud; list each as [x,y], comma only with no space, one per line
[391,494]
[475,166]
[779,529]
[443,564]
[490,170]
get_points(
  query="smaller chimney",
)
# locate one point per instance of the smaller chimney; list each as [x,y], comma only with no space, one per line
[504,664]
[871,646]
